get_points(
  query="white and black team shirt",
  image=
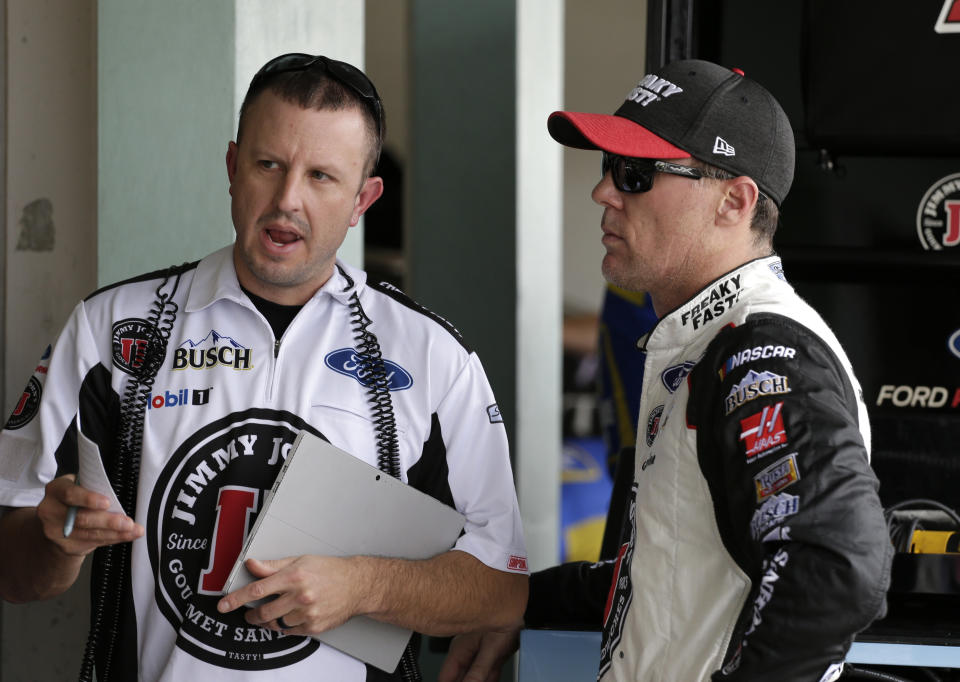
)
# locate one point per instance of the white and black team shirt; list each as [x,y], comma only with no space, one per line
[226,405]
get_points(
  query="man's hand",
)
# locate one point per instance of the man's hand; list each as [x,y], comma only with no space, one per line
[450,593]
[93,527]
[479,656]
[313,594]
[40,562]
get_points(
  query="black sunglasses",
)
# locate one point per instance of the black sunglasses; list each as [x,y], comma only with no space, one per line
[633,176]
[347,74]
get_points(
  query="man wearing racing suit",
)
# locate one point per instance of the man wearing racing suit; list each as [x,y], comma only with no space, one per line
[193,383]
[754,546]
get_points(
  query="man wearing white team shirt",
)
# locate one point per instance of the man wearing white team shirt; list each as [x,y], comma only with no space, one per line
[278,336]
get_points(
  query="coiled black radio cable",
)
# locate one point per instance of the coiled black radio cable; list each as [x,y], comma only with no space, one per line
[370,359]
[112,562]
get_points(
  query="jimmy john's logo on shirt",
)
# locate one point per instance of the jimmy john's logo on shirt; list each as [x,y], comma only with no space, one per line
[714,303]
[753,386]
[28,404]
[938,217]
[202,508]
[138,348]
[652,88]
[213,350]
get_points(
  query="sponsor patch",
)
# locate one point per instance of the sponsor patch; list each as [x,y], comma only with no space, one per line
[620,595]
[776,268]
[755,385]
[672,377]
[493,413]
[138,348]
[347,362]
[517,563]
[938,216]
[763,433]
[202,507]
[712,304]
[772,514]
[771,574]
[742,357]
[27,405]
[181,398]
[213,350]
[776,477]
[653,424]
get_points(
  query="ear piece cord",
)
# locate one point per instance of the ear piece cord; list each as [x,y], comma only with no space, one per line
[370,359]
[113,561]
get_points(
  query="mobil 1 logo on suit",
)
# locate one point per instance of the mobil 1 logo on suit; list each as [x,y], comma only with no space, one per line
[178,398]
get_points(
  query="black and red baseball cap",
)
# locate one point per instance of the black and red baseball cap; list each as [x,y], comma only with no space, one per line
[693,108]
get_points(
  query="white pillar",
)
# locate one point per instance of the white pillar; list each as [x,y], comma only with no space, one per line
[539,237]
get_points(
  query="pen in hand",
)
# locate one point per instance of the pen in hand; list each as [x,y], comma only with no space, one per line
[68,523]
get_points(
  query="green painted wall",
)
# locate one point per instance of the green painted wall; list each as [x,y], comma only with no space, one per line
[165,72]
[463,119]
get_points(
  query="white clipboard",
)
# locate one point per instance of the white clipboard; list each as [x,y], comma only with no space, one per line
[326,501]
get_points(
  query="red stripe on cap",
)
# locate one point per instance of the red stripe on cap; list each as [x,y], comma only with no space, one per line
[614,134]
[739,72]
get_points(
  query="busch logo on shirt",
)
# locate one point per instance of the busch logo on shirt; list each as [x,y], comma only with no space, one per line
[772,513]
[753,386]
[213,350]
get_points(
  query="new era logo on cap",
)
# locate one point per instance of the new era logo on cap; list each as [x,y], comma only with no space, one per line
[721,146]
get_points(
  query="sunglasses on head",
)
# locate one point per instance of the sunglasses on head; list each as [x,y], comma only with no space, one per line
[344,73]
[633,175]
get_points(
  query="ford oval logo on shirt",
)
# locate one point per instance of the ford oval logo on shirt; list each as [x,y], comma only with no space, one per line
[672,377]
[346,361]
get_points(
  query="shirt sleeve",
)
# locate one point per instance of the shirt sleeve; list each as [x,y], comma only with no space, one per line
[795,499]
[38,442]
[468,426]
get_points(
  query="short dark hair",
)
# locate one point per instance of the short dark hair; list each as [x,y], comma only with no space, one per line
[314,88]
[766,215]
